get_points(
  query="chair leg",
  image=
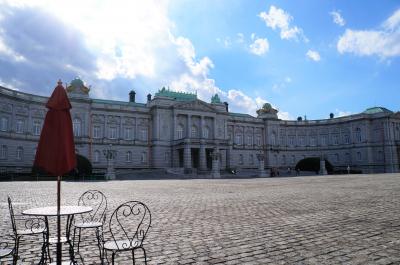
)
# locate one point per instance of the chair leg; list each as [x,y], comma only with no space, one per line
[15,255]
[99,244]
[79,238]
[133,256]
[112,258]
[145,257]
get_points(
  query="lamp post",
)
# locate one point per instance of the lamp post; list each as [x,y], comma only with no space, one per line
[110,155]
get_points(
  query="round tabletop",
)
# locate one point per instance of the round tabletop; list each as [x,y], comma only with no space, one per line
[52,210]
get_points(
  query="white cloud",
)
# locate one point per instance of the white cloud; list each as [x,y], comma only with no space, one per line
[277,18]
[337,18]
[137,50]
[259,47]
[383,42]
[313,55]
[341,113]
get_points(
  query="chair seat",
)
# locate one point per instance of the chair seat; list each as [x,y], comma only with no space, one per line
[53,240]
[5,252]
[121,244]
[89,225]
[33,231]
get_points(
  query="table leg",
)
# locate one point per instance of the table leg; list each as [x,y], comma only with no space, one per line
[45,246]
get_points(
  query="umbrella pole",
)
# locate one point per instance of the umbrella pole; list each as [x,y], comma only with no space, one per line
[59,254]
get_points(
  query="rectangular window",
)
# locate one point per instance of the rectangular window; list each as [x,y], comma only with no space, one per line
[19,126]
[96,132]
[144,134]
[4,124]
[37,126]
[113,132]
[128,133]
[3,153]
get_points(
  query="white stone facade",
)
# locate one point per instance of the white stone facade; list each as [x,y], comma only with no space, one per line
[177,130]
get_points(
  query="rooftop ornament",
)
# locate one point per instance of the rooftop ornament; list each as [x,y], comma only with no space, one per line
[77,85]
[215,99]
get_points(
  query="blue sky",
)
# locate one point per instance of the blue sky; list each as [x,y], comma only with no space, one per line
[304,57]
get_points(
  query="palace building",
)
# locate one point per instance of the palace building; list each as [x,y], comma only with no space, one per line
[178,130]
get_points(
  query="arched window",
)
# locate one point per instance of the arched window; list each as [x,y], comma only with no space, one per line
[3,154]
[20,153]
[358,135]
[179,131]
[144,157]
[128,156]
[194,132]
[96,158]
[239,138]
[76,125]
[206,132]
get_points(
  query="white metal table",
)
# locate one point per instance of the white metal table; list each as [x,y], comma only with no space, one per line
[69,212]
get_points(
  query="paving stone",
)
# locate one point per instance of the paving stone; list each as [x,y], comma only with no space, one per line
[348,219]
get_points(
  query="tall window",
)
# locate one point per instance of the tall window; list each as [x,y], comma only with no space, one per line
[293,159]
[324,140]
[144,134]
[20,153]
[144,157]
[3,153]
[179,132]
[258,140]
[358,135]
[251,159]
[206,132]
[76,125]
[335,139]
[166,156]
[19,126]
[291,140]
[273,139]
[128,133]
[97,156]
[347,157]
[336,158]
[249,139]
[313,140]
[239,138]
[113,132]
[37,126]
[4,124]
[129,156]
[359,157]
[282,140]
[194,132]
[96,131]
[283,160]
[346,139]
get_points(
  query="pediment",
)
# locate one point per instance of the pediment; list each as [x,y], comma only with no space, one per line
[196,105]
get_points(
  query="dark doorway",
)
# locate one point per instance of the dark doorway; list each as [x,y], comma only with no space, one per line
[195,158]
[180,155]
[209,158]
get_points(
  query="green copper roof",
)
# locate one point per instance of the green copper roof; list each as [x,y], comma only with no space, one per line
[240,115]
[180,96]
[106,101]
[375,110]
[77,82]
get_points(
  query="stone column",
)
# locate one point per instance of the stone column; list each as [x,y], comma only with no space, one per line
[322,168]
[215,174]
[187,157]
[189,127]
[228,155]
[203,160]
[261,170]
[202,127]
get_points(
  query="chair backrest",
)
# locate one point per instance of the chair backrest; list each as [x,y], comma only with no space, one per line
[10,208]
[130,222]
[98,201]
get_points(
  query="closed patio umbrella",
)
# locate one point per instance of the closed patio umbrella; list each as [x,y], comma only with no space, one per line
[56,150]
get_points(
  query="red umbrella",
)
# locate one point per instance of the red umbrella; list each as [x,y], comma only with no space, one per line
[56,149]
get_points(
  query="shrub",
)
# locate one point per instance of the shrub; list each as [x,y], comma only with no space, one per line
[312,164]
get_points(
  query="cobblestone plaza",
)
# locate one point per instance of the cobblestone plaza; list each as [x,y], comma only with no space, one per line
[347,219]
